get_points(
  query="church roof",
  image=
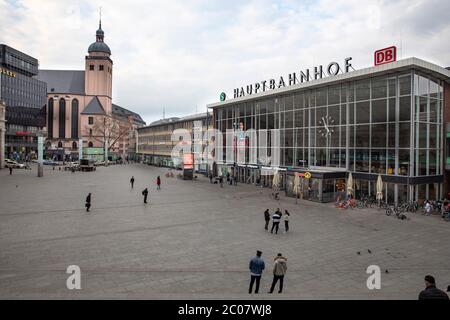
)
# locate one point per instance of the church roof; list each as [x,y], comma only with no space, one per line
[63,81]
[94,107]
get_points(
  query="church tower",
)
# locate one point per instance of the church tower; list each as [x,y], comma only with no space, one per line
[98,71]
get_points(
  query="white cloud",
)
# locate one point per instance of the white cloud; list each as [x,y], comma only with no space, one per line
[182,54]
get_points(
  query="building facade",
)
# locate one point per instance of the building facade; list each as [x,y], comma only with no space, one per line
[80,109]
[156,141]
[386,120]
[25,99]
[2,133]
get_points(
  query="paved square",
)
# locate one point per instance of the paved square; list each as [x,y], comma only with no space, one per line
[194,241]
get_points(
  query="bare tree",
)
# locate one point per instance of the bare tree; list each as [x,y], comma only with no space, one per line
[109,129]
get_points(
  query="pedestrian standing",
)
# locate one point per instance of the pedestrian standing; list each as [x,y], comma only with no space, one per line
[88,202]
[10,170]
[158,183]
[444,207]
[210,178]
[276,218]
[235,179]
[145,194]
[287,215]
[267,218]
[221,181]
[256,267]
[279,270]
[427,208]
[431,292]
[132,182]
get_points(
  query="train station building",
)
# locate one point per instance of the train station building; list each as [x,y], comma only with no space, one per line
[391,120]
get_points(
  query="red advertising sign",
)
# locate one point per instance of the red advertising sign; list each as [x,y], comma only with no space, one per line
[385,55]
[188,161]
[23,133]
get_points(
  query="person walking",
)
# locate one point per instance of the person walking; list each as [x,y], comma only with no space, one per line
[88,202]
[431,292]
[256,267]
[132,182]
[210,178]
[287,215]
[279,270]
[158,183]
[267,218]
[235,179]
[145,194]
[427,208]
[10,170]
[221,181]
[276,218]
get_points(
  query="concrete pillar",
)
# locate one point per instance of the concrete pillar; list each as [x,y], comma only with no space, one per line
[2,133]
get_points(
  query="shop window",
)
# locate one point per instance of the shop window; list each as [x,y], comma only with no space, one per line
[362,160]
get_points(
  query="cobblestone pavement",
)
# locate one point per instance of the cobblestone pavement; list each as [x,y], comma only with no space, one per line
[194,241]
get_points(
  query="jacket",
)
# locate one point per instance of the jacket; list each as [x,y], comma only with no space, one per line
[256,266]
[433,293]
[266,215]
[276,217]
[280,266]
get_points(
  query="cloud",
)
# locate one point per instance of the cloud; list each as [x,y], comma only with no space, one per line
[181,54]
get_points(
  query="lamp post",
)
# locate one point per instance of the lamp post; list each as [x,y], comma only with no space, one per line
[41,136]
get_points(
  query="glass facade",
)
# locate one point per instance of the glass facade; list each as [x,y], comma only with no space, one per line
[389,125]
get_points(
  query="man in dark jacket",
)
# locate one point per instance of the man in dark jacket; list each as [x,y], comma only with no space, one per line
[145,194]
[256,267]
[88,202]
[267,218]
[431,292]
[132,182]
[276,218]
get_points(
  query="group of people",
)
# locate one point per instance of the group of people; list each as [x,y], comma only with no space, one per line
[231,179]
[277,216]
[442,206]
[257,267]
[132,180]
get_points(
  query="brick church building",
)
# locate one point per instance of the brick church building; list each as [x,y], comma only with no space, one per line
[80,109]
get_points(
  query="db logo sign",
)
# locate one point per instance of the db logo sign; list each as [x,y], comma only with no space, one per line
[385,55]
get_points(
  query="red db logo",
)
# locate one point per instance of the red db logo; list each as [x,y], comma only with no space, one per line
[385,55]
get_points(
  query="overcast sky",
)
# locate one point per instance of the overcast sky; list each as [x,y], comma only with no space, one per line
[181,55]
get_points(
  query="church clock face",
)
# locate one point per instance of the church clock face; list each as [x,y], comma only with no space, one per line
[324,126]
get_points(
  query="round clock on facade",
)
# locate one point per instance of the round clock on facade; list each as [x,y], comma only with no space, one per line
[324,125]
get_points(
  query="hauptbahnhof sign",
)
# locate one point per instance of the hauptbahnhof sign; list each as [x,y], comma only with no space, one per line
[319,72]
